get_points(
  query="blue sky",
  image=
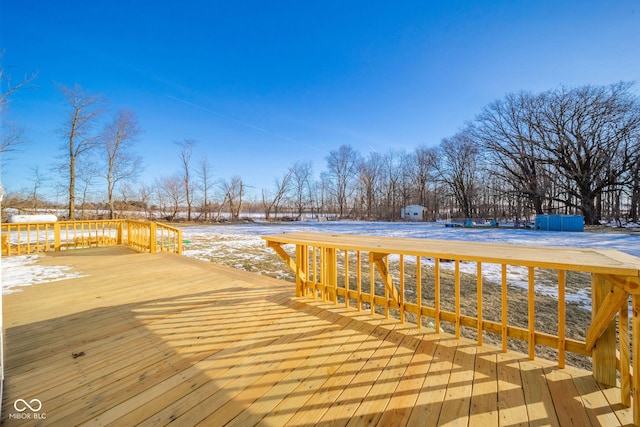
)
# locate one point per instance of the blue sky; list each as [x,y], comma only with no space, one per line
[260,85]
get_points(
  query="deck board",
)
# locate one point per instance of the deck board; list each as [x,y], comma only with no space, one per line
[163,339]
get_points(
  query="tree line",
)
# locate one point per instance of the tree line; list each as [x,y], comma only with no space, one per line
[566,150]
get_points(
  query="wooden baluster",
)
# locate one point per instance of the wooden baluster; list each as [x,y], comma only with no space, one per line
[346,278]
[636,356]
[532,313]
[332,263]
[623,334]
[505,327]
[299,283]
[562,281]
[386,291]
[479,285]
[437,292]
[372,285]
[315,273]
[401,301]
[323,275]
[359,278]
[457,292]
[419,291]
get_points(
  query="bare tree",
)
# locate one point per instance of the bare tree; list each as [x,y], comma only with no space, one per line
[169,195]
[37,179]
[11,134]
[392,172]
[233,192]
[589,134]
[422,169]
[121,164]
[205,173]
[88,170]
[271,202]
[634,184]
[78,134]
[145,193]
[370,181]
[343,166]
[458,168]
[186,151]
[507,129]
[301,182]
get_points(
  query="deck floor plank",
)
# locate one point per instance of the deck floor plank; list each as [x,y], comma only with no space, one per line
[595,400]
[484,402]
[305,402]
[163,339]
[377,400]
[269,403]
[457,402]
[568,403]
[403,400]
[428,406]
[339,373]
[512,407]
[540,405]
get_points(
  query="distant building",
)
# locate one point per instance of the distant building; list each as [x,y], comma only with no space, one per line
[413,213]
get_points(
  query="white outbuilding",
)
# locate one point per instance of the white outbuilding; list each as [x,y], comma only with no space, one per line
[413,213]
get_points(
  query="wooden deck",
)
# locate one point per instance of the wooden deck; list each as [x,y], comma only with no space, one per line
[151,339]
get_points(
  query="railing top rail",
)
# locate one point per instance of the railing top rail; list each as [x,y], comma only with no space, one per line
[137,221]
[561,258]
[78,221]
[168,227]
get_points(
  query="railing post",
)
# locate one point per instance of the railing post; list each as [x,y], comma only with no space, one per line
[179,237]
[56,236]
[119,232]
[300,267]
[152,237]
[604,352]
[332,272]
[5,244]
[636,356]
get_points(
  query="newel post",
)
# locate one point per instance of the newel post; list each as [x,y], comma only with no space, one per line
[300,269]
[331,260]
[604,353]
[119,232]
[635,342]
[152,237]
[56,236]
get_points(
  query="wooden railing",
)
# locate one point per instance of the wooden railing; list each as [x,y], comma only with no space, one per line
[27,238]
[342,269]
[154,237]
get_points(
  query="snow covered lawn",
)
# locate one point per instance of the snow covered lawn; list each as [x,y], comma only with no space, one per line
[18,271]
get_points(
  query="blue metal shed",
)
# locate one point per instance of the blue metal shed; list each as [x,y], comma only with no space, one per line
[554,222]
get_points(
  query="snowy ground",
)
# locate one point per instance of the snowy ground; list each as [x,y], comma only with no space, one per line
[215,243]
[18,271]
[240,246]
[628,242]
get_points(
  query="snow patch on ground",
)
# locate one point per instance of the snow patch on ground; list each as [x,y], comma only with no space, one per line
[19,271]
